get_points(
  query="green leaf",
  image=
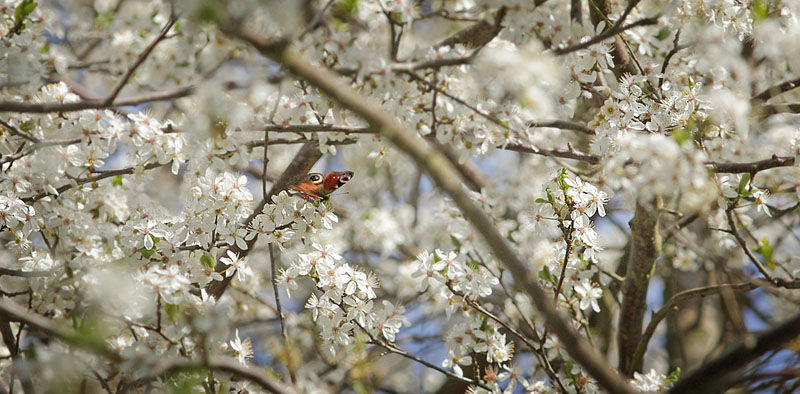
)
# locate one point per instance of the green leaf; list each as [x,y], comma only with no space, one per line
[681,135]
[673,377]
[90,332]
[742,189]
[346,7]
[562,176]
[544,274]
[147,253]
[542,201]
[27,125]
[102,21]
[186,383]
[116,181]
[550,198]
[207,260]
[209,11]
[172,312]
[766,251]
[760,9]
[663,33]
[23,10]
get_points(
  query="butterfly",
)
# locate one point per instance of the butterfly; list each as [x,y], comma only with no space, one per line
[316,187]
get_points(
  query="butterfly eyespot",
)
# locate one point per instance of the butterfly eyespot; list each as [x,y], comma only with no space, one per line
[315,178]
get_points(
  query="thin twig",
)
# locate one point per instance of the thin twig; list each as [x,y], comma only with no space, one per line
[24,274]
[142,57]
[394,349]
[710,375]
[317,17]
[752,167]
[83,181]
[318,128]
[35,147]
[610,32]
[532,149]
[568,240]
[563,124]
[562,153]
[672,305]
[40,108]
[281,141]
[479,308]
[779,282]
[281,317]
[18,132]
[675,48]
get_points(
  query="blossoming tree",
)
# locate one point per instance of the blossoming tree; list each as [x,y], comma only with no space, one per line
[549,196]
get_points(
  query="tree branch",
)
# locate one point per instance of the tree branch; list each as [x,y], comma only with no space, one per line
[611,31]
[645,246]
[142,57]
[776,90]
[713,374]
[672,305]
[15,131]
[318,128]
[562,153]
[224,364]
[300,165]
[786,108]
[779,282]
[563,124]
[445,176]
[751,167]
[41,108]
[315,20]
[11,344]
[15,312]
[83,181]
[24,274]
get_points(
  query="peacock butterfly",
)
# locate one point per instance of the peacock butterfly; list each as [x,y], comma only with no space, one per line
[316,187]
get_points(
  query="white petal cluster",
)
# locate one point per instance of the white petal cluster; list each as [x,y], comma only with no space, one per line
[344,303]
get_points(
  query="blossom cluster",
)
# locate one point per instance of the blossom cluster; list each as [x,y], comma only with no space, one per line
[345,304]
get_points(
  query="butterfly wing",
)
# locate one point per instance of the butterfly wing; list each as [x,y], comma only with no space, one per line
[335,180]
[316,187]
[312,187]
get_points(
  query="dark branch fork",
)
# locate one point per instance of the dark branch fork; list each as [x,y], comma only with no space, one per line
[615,29]
[792,283]
[711,375]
